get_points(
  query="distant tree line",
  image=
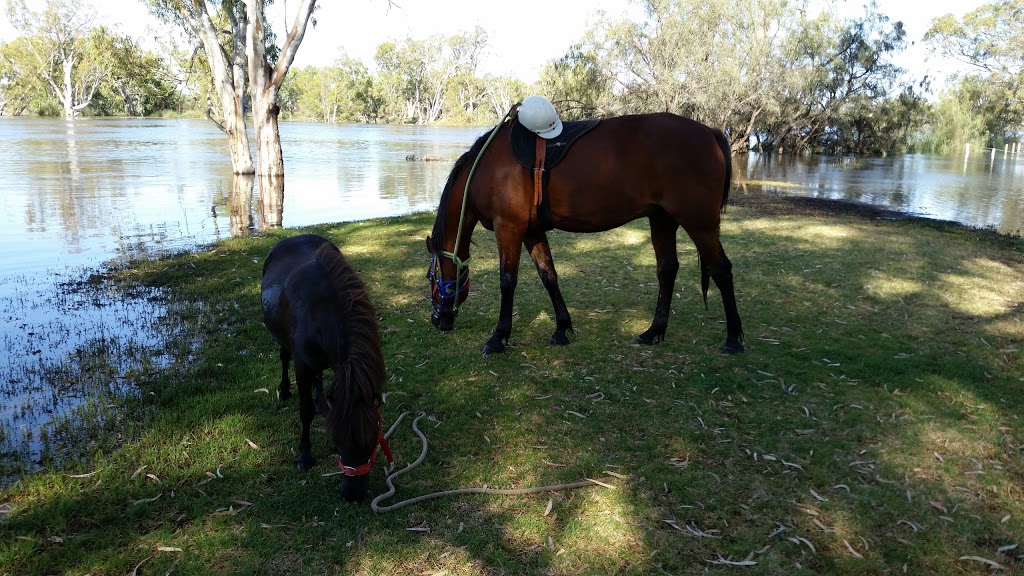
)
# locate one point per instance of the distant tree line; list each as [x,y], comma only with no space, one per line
[775,76]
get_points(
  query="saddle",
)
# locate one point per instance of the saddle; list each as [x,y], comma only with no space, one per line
[540,156]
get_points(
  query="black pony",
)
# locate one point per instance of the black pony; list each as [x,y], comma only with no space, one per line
[321,315]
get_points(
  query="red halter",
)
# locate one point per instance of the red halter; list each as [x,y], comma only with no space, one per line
[382,442]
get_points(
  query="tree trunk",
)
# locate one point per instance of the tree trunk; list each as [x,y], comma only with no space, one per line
[229,83]
[240,204]
[68,99]
[269,156]
[265,82]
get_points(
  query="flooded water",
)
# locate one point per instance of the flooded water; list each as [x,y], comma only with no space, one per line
[986,190]
[77,196]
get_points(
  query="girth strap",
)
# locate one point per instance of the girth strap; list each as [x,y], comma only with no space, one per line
[538,177]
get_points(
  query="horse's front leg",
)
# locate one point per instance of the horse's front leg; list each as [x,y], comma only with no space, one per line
[540,251]
[663,237]
[305,377]
[508,252]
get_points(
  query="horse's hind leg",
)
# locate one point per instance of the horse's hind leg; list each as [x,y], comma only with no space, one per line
[540,251]
[319,402]
[305,377]
[715,262]
[284,389]
[663,237]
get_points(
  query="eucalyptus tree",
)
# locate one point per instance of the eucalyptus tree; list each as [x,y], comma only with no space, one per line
[244,57]
[990,40]
[418,73]
[57,38]
[717,61]
[501,93]
[576,83]
[841,76]
[219,28]
[268,66]
[136,82]
[21,89]
[335,93]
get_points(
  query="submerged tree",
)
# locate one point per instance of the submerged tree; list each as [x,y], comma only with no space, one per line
[57,39]
[243,59]
[219,28]
[990,40]
[268,66]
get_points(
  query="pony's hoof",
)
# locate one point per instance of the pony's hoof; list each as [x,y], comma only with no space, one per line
[558,339]
[732,348]
[305,462]
[283,394]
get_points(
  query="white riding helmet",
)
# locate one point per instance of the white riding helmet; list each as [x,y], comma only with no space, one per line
[540,117]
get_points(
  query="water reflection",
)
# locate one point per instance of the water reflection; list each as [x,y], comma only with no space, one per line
[984,190]
[271,202]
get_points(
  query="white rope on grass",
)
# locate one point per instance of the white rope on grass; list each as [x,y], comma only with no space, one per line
[423,455]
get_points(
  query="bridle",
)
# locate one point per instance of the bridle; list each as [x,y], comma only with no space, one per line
[452,290]
[382,442]
[462,266]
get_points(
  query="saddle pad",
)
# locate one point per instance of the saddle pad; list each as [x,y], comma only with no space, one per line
[524,143]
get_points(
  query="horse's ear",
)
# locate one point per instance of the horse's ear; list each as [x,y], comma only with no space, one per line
[430,245]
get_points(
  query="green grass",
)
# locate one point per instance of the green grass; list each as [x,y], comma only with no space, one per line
[872,425]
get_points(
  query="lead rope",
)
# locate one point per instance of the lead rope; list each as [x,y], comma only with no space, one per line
[460,263]
[423,455]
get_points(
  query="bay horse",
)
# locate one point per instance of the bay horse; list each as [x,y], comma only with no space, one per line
[320,314]
[673,170]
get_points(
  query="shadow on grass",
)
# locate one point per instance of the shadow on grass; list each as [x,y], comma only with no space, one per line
[873,422]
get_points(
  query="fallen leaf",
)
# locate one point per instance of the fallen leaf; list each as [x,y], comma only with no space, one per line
[992,563]
[852,551]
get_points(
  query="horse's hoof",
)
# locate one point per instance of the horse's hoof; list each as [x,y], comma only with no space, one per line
[493,346]
[305,462]
[283,394]
[648,339]
[732,348]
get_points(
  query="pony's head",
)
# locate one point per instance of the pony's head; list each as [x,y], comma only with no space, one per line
[358,436]
[449,287]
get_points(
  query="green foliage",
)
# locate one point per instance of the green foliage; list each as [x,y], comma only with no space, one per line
[989,39]
[339,93]
[576,83]
[109,73]
[953,122]
[136,82]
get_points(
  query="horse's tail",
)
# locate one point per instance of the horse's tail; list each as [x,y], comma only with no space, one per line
[723,143]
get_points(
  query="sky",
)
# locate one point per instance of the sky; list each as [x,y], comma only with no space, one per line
[522,35]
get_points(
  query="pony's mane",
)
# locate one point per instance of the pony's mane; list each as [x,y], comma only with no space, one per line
[359,372]
[467,157]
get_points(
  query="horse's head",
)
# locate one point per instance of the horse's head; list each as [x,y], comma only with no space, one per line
[449,287]
[358,441]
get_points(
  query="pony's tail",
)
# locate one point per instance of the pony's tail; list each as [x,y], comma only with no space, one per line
[723,143]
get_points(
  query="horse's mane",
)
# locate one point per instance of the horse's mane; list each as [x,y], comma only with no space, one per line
[359,375]
[467,157]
